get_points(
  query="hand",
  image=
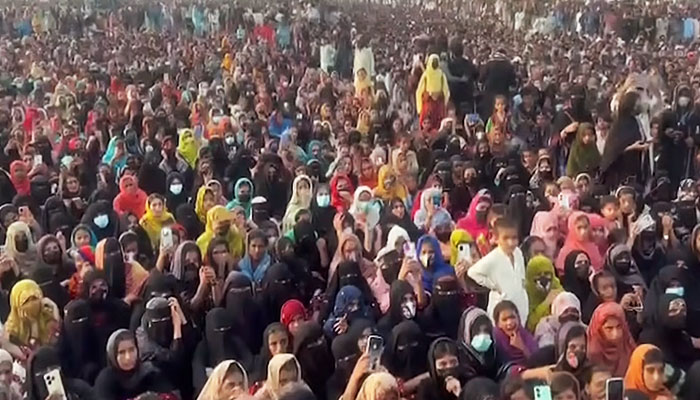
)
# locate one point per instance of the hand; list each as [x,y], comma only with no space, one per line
[696,342]
[6,264]
[667,224]
[689,142]
[338,220]
[55,396]
[175,312]
[206,275]
[361,367]
[409,266]
[341,326]
[630,301]
[130,298]
[453,386]
[571,128]
[61,240]
[461,268]
[516,341]
[638,146]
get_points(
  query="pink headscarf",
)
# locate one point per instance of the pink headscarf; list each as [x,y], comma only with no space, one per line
[469,223]
[574,242]
[541,224]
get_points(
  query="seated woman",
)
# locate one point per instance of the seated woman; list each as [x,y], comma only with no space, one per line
[228,380]
[349,305]
[276,340]
[646,373]
[44,360]
[609,339]
[155,218]
[514,342]
[542,286]
[33,319]
[446,374]
[257,259]
[126,376]
[482,356]
[283,370]
[125,277]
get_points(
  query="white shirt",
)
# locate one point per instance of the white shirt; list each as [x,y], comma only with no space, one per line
[505,280]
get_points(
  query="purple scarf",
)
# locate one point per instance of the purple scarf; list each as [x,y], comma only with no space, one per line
[512,353]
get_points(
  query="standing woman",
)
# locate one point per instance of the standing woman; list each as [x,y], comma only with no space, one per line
[126,377]
[625,147]
[433,93]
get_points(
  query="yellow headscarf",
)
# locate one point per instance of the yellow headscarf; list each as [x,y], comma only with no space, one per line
[362,84]
[397,190]
[432,81]
[235,241]
[152,224]
[377,385]
[227,63]
[458,237]
[199,203]
[363,126]
[188,147]
[19,325]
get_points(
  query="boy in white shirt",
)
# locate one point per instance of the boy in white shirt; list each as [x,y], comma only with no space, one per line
[503,270]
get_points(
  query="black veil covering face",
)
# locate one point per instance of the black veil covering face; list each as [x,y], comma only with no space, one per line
[406,353]
[314,355]
[247,315]
[346,354]
[78,343]
[278,286]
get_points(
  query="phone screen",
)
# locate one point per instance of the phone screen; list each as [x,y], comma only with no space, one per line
[375,347]
[543,392]
[464,252]
[614,389]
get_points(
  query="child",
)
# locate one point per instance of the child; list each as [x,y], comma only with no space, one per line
[610,210]
[502,271]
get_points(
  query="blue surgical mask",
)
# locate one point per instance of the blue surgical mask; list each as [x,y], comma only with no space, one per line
[101,221]
[678,291]
[481,342]
[176,188]
[323,200]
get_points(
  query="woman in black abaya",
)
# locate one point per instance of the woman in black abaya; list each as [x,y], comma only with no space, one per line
[278,286]
[248,317]
[102,219]
[126,377]
[314,355]
[78,344]
[346,354]
[220,343]
[405,355]
[625,154]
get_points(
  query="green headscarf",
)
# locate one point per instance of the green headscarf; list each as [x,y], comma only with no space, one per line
[583,157]
[538,267]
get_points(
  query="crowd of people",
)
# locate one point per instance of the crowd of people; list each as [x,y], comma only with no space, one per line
[471,200]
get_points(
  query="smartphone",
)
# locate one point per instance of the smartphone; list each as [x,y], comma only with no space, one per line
[409,250]
[564,201]
[166,238]
[543,392]
[38,159]
[464,252]
[375,348]
[54,384]
[614,389]
[166,76]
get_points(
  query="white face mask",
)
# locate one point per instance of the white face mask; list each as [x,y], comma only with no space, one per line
[149,149]
[130,256]
[408,309]
[230,140]
[176,188]
[683,101]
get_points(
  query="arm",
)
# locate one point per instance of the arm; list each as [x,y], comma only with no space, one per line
[480,273]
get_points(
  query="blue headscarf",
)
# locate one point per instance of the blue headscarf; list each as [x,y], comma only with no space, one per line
[439,268]
[247,206]
[246,267]
[346,296]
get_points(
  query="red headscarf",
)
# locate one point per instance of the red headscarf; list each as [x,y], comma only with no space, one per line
[336,200]
[134,203]
[23,186]
[614,355]
[290,310]
[469,222]
[574,242]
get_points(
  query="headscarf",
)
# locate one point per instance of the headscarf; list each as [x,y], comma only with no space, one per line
[23,187]
[315,358]
[469,223]
[634,377]
[581,287]
[367,212]
[212,389]
[244,309]
[188,147]
[362,84]
[658,288]
[341,309]
[432,81]
[86,228]
[574,242]
[542,224]
[125,202]
[222,341]
[397,190]
[631,278]
[537,267]
[406,351]
[296,203]
[583,157]
[236,202]
[199,203]
[98,209]
[246,265]
[290,310]
[616,356]
[153,224]
[218,214]
[272,385]
[458,236]
[439,268]
[336,200]
[21,319]
[27,260]
[172,200]
[377,385]
[511,352]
